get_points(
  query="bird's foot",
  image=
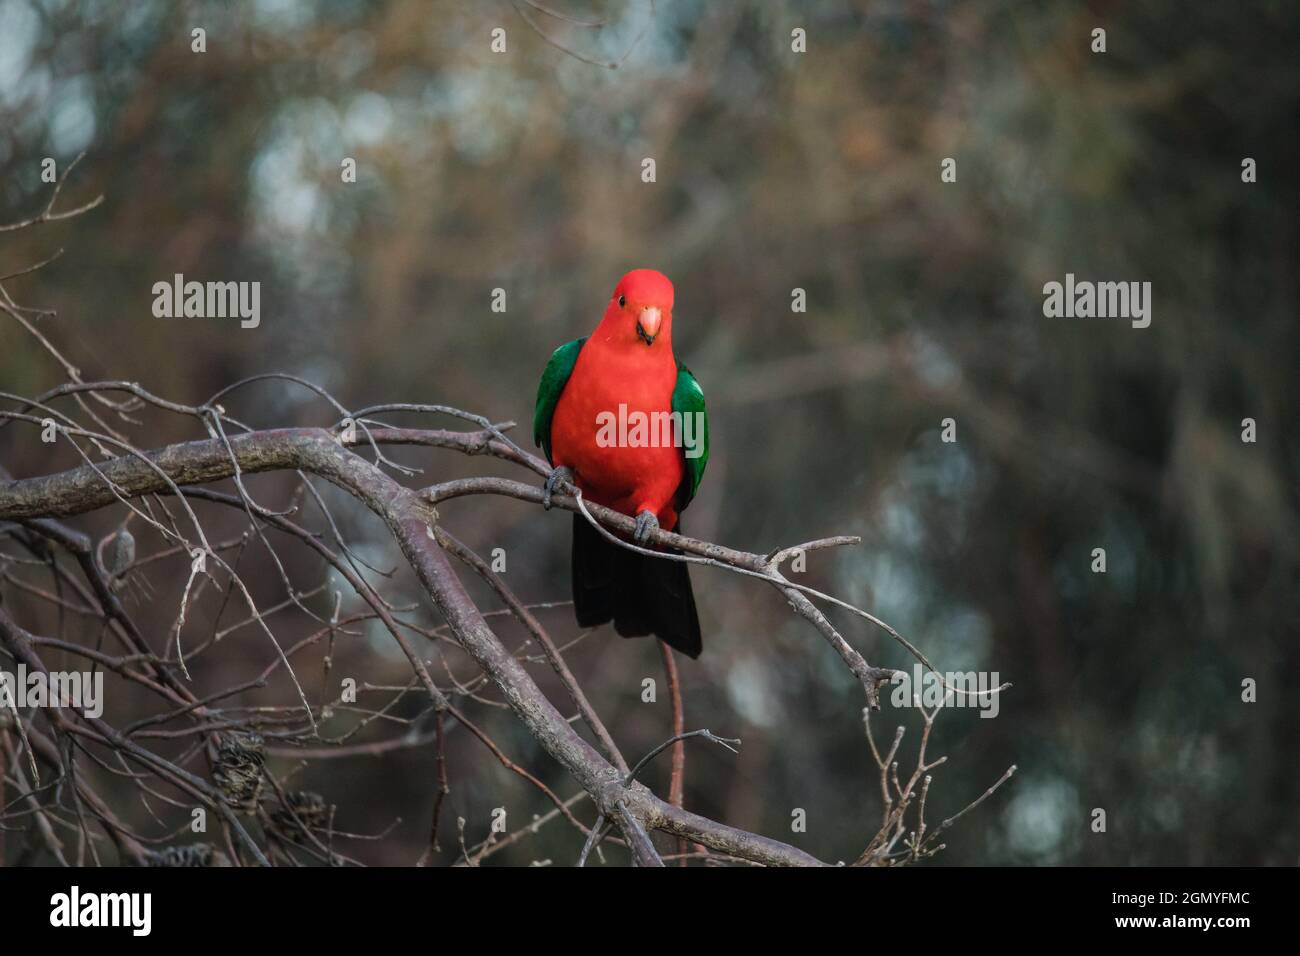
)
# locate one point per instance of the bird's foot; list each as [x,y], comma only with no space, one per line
[554,478]
[646,523]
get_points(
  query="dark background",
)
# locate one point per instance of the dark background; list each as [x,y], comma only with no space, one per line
[775,170]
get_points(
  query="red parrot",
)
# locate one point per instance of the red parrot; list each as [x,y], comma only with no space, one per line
[619,417]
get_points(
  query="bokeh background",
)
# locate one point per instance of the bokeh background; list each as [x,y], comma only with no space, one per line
[775,171]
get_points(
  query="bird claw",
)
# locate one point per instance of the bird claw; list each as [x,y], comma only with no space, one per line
[646,523]
[554,478]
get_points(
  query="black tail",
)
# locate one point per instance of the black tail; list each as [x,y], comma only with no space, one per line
[640,594]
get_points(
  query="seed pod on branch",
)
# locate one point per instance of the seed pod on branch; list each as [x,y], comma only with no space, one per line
[302,808]
[193,855]
[238,772]
[119,551]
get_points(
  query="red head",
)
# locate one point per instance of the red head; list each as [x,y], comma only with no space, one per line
[641,308]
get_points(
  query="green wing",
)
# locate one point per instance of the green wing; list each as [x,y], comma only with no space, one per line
[554,378]
[688,399]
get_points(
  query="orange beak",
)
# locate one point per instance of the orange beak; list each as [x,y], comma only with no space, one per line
[648,324]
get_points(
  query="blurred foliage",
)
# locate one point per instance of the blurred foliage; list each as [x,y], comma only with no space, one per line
[775,170]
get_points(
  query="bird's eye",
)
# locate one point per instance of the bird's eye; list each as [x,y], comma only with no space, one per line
[622,301]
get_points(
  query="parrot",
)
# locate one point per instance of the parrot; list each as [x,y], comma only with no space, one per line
[625,370]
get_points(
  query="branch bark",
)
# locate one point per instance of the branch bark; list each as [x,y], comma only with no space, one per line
[411,519]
